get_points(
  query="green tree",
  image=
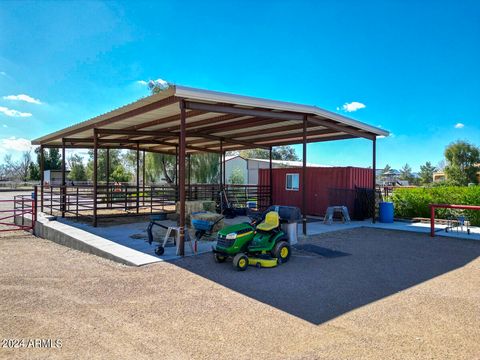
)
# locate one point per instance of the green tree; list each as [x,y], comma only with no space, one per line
[463,161]
[160,167]
[236,177]
[205,168]
[406,174]
[34,172]
[52,159]
[77,169]
[158,85]
[426,173]
[286,153]
[120,174]
[386,169]
[118,170]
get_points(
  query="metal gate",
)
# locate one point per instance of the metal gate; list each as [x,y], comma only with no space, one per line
[18,213]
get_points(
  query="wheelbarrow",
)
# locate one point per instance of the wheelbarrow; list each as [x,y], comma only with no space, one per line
[204,227]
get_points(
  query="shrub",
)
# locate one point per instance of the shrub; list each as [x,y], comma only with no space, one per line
[414,202]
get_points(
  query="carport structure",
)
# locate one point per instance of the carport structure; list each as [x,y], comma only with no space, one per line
[182,121]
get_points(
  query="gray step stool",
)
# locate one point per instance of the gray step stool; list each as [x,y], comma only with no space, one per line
[173,235]
[331,210]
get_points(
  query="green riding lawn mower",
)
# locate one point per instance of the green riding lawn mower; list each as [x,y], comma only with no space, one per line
[260,243]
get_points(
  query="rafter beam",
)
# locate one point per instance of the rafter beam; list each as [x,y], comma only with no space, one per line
[228,109]
[335,126]
[135,133]
[299,141]
[243,135]
[165,120]
[111,141]
[104,147]
[235,125]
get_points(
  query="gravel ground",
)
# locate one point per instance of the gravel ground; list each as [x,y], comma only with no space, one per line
[393,295]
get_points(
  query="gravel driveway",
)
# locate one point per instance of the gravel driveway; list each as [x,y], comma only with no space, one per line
[388,294]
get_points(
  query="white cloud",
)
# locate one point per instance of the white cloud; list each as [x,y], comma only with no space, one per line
[352,106]
[160,83]
[459,126]
[3,73]
[12,143]
[5,126]
[13,113]
[22,97]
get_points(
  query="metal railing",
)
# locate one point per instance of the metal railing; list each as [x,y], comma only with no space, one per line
[122,199]
[19,213]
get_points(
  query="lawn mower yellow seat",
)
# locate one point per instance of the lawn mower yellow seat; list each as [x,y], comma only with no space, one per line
[271,222]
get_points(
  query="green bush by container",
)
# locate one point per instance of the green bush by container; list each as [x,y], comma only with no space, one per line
[414,202]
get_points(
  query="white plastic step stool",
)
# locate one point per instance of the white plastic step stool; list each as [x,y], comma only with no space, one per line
[331,210]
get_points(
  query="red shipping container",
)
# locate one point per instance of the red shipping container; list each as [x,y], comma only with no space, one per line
[326,186]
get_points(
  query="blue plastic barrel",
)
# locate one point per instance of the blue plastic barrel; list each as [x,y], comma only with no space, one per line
[251,204]
[386,212]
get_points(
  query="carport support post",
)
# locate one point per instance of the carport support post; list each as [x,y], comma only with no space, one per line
[42,175]
[143,177]
[107,175]
[189,179]
[224,168]
[138,176]
[64,183]
[270,175]
[95,175]
[176,171]
[304,178]
[374,171]
[221,165]
[181,242]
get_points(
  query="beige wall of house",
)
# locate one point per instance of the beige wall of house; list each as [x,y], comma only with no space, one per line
[441,176]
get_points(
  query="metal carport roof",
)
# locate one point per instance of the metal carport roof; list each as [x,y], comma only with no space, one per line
[239,122]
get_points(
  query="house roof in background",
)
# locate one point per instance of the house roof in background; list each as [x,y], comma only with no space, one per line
[288,163]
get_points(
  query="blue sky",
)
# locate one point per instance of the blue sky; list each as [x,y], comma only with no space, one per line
[413,64]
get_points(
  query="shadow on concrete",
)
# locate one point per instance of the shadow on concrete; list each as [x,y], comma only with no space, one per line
[317,289]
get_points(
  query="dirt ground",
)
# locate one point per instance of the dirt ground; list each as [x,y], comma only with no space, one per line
[379,295]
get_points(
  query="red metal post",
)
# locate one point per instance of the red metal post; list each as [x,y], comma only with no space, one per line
[181,242]
[374,182]
[34,208]
[42,175]
[63,189]
[143,177]
[176,171]
[270,175]
[432,220]
[304,178]
[224,169]
[189,177]
[107,170]
[95,176]
[138,178]
[221,165]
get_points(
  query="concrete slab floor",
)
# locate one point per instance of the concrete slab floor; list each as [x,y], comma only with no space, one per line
[134,236]
[315,228]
